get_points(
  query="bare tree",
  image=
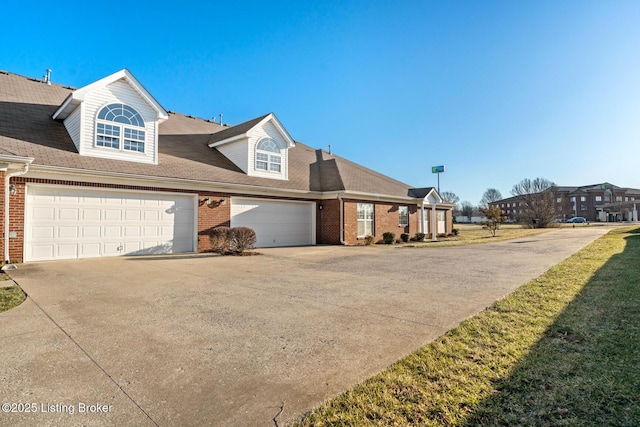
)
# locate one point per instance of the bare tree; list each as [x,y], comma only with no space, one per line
[536,202]
[489,196]
[467,209]
[494,218]
[450,197]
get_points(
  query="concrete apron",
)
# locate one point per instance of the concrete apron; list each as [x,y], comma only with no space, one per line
[209,340]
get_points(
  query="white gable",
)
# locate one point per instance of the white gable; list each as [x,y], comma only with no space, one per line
[80,114]
[241,149]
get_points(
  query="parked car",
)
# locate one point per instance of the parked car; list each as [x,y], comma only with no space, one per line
[577,219]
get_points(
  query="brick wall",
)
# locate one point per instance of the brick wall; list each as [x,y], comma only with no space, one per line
[2,175]
[214,213]
[385,218]
[16,220]
[328,222]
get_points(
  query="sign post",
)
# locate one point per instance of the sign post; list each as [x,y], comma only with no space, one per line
[438,170]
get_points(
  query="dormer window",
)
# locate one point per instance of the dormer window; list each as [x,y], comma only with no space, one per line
[268,156]
[120,127]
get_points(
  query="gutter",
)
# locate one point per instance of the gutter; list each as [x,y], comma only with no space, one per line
[43,171]
[7,179]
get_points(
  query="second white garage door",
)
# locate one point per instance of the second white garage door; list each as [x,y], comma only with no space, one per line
[276,222]
[68,222]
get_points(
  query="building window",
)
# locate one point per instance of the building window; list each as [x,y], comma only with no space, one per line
[598,198]
[583,207]
[559,200]
[365,219]
[403,216]
[618,198]
[268,156]
[120,127]
[583,198]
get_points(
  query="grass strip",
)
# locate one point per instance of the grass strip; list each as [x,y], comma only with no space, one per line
[10,296]
[472,234]
[563,349]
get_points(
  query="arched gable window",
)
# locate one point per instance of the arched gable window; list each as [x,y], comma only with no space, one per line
[120,127]
[268,156]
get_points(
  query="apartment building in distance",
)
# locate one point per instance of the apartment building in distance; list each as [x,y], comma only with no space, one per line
[598,202]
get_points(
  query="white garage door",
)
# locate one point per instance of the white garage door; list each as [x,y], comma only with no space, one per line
[68,223]
[276,223]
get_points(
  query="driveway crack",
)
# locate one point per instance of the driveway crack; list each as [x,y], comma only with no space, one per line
[275,419]
[93,361]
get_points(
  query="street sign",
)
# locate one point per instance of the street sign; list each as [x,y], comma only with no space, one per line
[437,169]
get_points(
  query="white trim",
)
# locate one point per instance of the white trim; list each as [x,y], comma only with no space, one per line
[230,139]
[77,97]
[366,220]
[29,185]
[272,117]
[9,158]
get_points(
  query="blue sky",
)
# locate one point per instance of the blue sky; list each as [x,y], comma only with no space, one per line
[497,91]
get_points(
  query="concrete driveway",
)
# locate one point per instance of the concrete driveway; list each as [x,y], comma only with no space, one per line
[231,341]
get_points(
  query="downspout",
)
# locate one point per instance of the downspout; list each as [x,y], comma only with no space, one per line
[342,242]
[7,179]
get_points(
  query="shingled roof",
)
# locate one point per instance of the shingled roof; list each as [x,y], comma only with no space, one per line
[27,130]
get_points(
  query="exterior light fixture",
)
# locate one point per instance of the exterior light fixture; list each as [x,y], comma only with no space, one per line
[12,190]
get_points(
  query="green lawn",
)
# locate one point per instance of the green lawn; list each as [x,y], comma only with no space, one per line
[11,295]
[469,234]
[563,349]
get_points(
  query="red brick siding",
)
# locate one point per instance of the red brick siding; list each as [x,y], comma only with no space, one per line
[328,222]
[385,218]
[2,175]
[214,213]
[16,220]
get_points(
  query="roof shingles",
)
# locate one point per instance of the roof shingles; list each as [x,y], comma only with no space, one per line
[27,129]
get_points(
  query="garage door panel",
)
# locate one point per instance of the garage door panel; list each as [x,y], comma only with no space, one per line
[90,231]
[131,215]
[66,232]
[91,250]
[112,215]
[68,214]
[67,251]
[110,231]
[150,231]
[44,232]
[43,213]
[151,215]
[132,231]
[91,214]
[69,222]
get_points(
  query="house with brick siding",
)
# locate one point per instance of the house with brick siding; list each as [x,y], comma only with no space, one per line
[602,202]
[105,170]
